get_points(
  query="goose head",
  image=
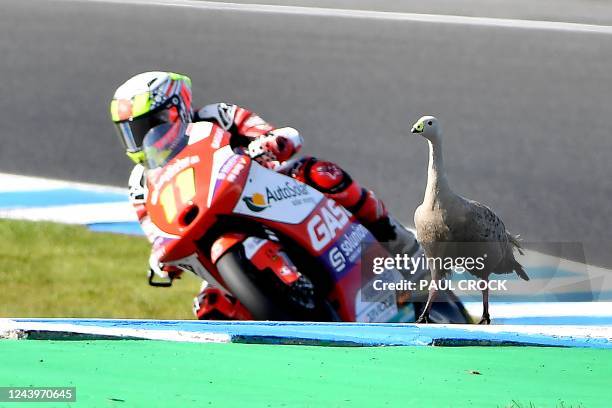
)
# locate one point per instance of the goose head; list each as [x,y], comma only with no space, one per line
[428,127]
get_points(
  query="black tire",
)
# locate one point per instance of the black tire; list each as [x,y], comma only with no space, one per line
[265,296]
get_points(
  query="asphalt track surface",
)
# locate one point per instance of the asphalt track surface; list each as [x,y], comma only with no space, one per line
[527,113]
[110,373]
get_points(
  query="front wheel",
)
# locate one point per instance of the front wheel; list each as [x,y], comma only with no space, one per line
[265,296]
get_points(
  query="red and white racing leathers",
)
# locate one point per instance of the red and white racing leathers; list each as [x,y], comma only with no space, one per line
[272,147]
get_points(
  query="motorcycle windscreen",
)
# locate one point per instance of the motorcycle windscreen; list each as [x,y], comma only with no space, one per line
[162,143]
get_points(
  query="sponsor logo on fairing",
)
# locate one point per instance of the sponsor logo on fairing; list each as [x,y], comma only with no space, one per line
[228,165]
[350,244]
[381,311]
[336,259]
[256,202]
[232,168]
[290,190]
[346,252]
[324,226]
[217,138]
[276,197]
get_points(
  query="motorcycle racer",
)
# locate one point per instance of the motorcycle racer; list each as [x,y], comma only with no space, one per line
[153,98]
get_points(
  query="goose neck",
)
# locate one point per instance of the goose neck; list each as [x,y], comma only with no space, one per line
[436,175]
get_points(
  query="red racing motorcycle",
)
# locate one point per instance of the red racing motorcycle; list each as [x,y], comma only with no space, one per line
[279,246]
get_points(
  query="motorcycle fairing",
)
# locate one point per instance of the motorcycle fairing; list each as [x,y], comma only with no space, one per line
[264,253]
[332,235]
[226,169]
[381,310]
[224,243]
[276,197]
[375,306]
[345,253]
[235,182]
[179,200]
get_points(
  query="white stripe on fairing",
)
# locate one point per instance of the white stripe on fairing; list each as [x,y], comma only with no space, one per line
[76,214]
[503,310]
[372,15]
[9,327]
[220,156]
[18,183]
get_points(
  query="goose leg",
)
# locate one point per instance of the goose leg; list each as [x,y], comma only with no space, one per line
[433,293]
[485,305]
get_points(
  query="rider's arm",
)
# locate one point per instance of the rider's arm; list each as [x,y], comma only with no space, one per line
[240,122]
[268,145]
[137,187]
[138,198]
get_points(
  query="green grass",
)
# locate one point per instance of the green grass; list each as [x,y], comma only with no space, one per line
[166,374]
[56,270]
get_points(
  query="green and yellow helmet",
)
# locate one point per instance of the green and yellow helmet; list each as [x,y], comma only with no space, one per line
[148,100]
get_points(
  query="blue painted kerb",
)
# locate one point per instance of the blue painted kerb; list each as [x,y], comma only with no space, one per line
[355,334]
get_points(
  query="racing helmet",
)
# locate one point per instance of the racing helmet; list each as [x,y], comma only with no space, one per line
[148,100]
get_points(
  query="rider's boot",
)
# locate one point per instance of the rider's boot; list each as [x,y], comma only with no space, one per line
[398,239]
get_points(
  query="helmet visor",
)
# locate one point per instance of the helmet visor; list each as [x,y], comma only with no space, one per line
[132,132]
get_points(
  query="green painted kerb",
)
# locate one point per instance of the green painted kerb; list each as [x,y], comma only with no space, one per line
[164,374]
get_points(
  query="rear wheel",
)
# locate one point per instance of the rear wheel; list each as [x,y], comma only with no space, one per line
[266,296]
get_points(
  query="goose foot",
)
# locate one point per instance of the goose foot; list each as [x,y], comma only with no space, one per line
[424,318]
[485,320]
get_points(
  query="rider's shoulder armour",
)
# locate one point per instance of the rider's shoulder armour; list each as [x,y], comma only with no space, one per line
[222,113]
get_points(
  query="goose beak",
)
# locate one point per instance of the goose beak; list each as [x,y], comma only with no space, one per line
[418,127]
